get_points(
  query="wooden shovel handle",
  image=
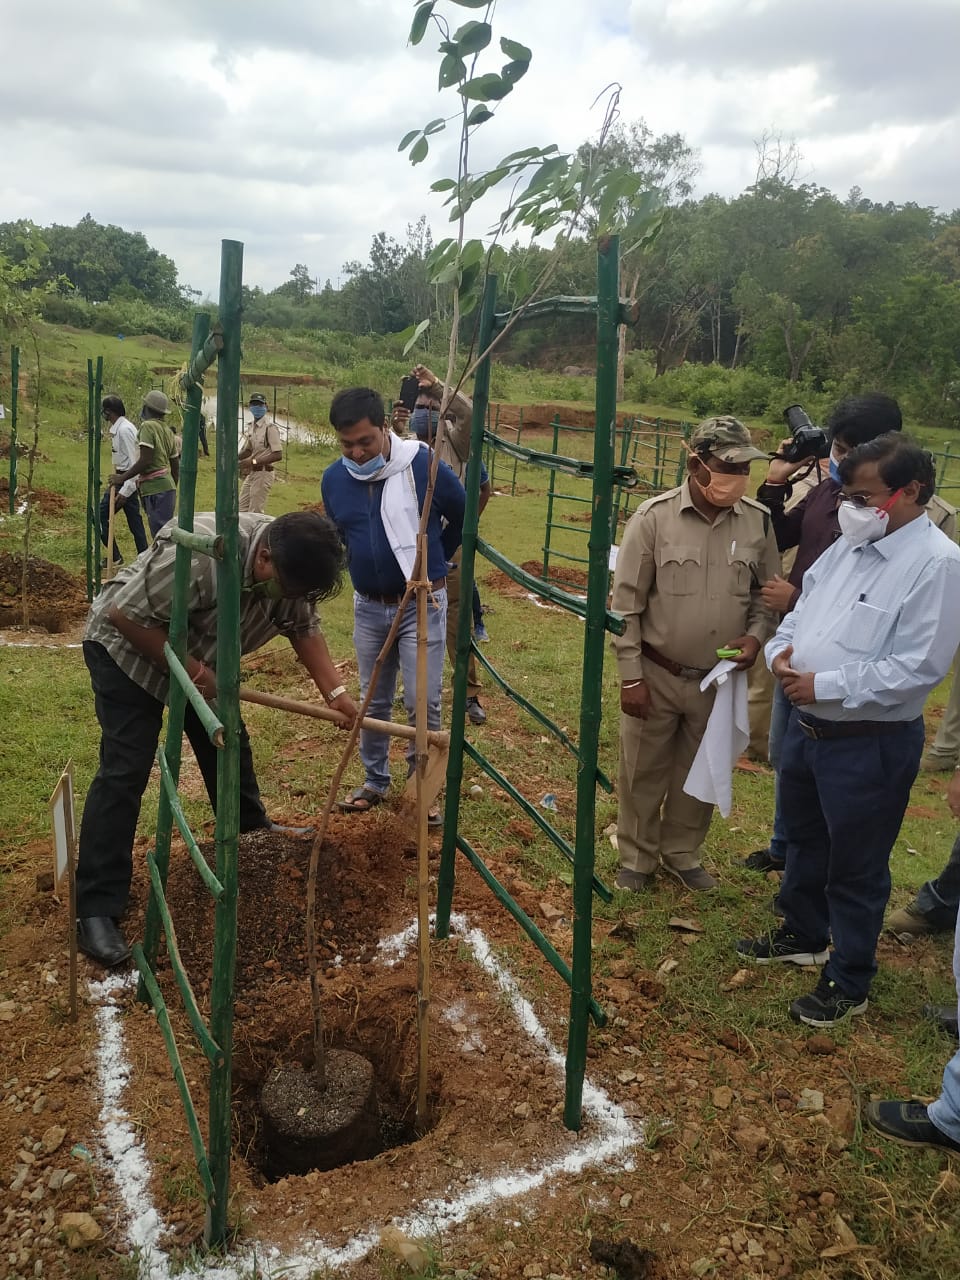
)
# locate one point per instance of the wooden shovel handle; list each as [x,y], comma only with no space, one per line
[434,737]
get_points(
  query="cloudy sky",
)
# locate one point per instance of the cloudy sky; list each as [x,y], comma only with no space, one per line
[276,122]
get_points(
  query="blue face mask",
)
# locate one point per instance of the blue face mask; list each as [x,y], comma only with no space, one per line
[257,411]
[364,470]
[424,422]
[834,469]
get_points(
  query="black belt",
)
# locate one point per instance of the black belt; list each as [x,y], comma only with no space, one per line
[395,599]
[668,664]
[849,728]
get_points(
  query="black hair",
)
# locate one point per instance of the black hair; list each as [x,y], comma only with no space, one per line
[861,418]
[899,460]
[353,405]
[113,404]
[308,554]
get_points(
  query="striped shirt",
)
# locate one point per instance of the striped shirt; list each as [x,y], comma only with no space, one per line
[143,590]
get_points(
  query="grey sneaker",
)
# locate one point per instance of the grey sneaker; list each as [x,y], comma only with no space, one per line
[938,764]
[693,877]
[635,881]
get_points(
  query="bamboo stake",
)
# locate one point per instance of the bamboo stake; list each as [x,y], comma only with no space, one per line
[111,568]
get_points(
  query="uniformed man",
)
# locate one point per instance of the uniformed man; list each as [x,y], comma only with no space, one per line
[259,450]
[688,579]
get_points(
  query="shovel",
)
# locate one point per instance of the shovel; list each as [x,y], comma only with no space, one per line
[438,742]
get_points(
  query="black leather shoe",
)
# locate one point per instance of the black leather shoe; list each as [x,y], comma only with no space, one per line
[945,1016]
[99,938]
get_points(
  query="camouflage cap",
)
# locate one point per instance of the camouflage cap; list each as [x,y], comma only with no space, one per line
[727,439]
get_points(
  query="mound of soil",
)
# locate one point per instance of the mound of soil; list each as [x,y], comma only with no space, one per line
[561,575]
[44,500]
[55,597]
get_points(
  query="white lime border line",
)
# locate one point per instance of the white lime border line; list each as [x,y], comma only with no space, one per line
[612,1145]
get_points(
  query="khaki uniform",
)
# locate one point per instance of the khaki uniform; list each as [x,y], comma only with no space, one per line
[455,451]
[259,437]
[687,588]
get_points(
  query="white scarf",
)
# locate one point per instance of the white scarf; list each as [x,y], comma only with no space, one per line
[399,509]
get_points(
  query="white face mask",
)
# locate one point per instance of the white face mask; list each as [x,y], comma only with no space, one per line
[860,525]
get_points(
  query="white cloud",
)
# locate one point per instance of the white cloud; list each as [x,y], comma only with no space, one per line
[278,124]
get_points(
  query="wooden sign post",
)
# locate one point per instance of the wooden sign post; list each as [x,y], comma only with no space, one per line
[64,865]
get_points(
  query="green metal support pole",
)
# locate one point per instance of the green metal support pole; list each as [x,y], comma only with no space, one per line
[97,443]
[92,497]
[14,392]
[468,554]
[591,702]
[228,764]
[551,487]
[513,480]
[177,637]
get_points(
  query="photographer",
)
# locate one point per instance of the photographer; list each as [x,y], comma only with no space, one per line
[811,526]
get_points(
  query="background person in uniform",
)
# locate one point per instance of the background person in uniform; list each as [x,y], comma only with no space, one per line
[259,450]
[123,456]
[158,466]
[687,580]
[875,629]
[455,452]
[287,565]
[809,528]
[374,494]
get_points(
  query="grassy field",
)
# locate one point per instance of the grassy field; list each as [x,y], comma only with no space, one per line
[47,717]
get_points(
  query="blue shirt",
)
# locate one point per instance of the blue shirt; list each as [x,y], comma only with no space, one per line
[879,625]
[354,507]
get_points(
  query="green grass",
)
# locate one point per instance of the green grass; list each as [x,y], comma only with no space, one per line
[47,717]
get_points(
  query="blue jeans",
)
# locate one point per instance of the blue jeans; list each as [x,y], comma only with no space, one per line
[843,800]
[779,719]
[939,899]
[371,623]
[945,1112]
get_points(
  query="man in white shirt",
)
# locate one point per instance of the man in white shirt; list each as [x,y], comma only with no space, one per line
[124,451]
[875,629]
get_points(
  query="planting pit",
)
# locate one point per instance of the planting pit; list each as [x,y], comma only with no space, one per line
[495,1094]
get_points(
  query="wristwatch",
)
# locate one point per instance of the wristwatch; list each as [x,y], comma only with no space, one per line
[334,694]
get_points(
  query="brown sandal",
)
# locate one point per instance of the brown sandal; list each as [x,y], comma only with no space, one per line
[362,800]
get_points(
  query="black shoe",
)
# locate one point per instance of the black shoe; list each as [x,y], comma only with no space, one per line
[826,1005]
[99,938]
[945,1016]
[908,1124]
[780,948]
[475,713]
[762,860]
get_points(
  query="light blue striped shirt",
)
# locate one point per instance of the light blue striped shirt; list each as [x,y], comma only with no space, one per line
[879,625]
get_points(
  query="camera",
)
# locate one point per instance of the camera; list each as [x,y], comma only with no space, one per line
[807,440]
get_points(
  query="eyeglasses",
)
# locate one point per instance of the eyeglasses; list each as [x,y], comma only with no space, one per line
[859,499]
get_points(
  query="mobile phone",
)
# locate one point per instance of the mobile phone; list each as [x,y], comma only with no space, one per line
[409,390]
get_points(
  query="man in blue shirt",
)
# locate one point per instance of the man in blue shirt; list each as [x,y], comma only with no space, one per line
[875,629]
[374,495]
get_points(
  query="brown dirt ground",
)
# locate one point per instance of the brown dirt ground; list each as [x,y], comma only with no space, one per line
[700,1194]
[55,597]
[45,500]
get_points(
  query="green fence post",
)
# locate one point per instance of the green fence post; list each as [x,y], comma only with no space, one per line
[177,636]
[468,554]
[14,391]
[591,704]
[228,762]
[513,482]
[97,444]
[551,487]
[92,497]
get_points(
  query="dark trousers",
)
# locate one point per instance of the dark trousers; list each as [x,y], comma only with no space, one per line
[939,899]
[130,722]
[843,800]
[131,509]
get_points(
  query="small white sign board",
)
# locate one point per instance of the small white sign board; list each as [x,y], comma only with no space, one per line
[64,861]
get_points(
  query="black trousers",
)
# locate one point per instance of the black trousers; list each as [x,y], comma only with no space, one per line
[130,722]
[131,509]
